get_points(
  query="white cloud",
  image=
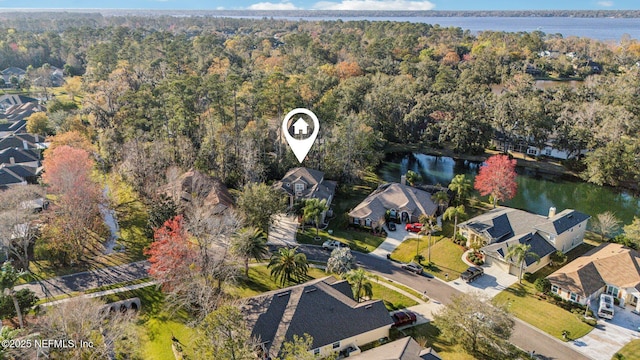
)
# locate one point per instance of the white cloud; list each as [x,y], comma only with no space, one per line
[273,6]
[605,3]
[374,5]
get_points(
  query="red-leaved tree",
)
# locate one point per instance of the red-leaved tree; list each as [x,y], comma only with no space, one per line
[497,177]
[171,253]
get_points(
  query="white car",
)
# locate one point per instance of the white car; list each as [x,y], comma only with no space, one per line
[333,244]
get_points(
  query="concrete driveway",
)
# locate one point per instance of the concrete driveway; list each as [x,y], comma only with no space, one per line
[393,240]
[609,335]
[283,230]
[491,283]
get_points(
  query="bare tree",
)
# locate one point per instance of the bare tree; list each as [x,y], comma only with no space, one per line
[606,224]
[18,217]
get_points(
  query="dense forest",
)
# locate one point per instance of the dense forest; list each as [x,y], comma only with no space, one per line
[211,92]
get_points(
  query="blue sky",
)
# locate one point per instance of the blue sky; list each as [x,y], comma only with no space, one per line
[332,4]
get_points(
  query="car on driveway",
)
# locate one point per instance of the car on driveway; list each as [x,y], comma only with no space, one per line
[415,227]
[404,317]
[333,244]
[471,274]
[413,267]
[391,226]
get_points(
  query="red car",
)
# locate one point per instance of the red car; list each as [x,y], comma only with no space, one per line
[403,317]
[415,227]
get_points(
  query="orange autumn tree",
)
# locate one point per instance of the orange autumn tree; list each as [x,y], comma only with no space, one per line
[497,178]
[75,225]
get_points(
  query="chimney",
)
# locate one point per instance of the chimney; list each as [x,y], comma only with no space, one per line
[12,160]
[552,212]
[25,145]
[403,179]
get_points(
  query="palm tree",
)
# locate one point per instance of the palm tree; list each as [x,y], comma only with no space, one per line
[250,243]
[8,279]
[429,225]
[454,213]
[412,177]
[360,284]
[521,252]
[461,186]
[441,198]
[288,265]
[313,209]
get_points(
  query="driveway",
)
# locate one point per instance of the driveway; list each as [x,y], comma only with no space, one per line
[283,230]
[491,283]
[393,240]
[609,335]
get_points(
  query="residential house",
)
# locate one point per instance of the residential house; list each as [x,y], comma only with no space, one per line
[9,178]
[609,268]
[9,100]
[23,141]
[503,143]
[323,308]
[14,127]
[401,349]
[500,228]
[212,192]
[403,202]
[25,157]
[10,72]
[303,183]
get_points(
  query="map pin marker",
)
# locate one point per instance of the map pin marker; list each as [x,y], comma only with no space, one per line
[301,147]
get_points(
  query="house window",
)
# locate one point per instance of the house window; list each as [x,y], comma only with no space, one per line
[356,221]
[316,352]
[554,289]
[531,151]
[612,290]
[336,345]
[367,222]
[288,185]
[547,152]
[299,187]
[574,297]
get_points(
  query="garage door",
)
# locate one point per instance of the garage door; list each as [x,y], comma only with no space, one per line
[497,263]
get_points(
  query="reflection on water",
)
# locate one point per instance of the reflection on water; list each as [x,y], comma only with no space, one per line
[536,192]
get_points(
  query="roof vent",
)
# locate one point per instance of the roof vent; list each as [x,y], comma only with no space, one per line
[283,294]
[310,290]
[368,306]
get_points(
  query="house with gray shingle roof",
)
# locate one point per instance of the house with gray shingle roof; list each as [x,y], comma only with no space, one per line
[303,183]
[404,201]
[496,230]
[401,349]
[323,308]
[609,268]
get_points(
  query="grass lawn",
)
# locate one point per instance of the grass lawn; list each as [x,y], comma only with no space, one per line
[446,257]
[631,351]
[260,281]
[392,300]
[547,317]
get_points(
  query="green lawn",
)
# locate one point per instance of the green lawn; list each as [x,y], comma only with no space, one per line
[393,300]
[446,257]
[260,281]
[631,351]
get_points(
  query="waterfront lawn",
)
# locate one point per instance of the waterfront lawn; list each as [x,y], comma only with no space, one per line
[631,351]
[446,257]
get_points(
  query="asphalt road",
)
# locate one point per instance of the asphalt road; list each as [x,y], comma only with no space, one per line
[524,335]
[88,280]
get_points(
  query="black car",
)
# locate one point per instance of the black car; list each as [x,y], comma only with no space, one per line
[391,226]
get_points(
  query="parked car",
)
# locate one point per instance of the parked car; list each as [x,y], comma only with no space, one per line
[413,267]
[391,226]
[404,317]
[415,227]
[471,274]
[333,244]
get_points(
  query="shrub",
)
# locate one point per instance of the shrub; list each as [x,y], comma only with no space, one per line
[616,301]
[590,321]
[418,258]
[558,258]
[527,276]
[542,284]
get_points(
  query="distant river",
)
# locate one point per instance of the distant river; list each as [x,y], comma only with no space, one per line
[596,28]
[536,192]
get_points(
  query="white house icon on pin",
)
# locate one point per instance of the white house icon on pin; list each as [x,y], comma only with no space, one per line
[300,127]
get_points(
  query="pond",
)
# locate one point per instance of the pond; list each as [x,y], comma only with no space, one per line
[536,192]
